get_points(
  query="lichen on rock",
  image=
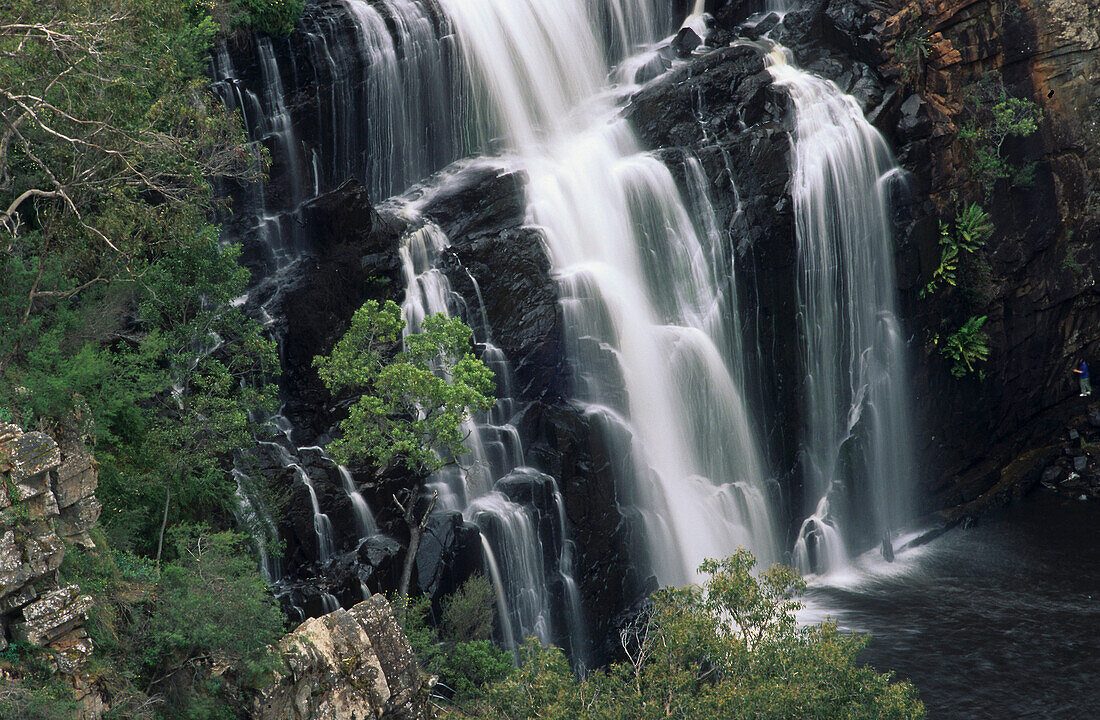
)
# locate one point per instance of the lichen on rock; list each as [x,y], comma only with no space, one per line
[348,665]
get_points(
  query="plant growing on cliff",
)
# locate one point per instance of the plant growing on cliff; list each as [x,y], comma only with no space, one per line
[412,403]
[729,649]
[972,229]
[966,347]
[911,51]
[995,117]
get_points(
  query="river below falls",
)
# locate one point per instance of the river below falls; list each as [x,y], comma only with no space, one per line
[1001,620]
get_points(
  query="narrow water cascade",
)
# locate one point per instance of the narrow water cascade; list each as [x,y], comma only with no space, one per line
[490,485]
[858,453]
[649,329]
[380,95]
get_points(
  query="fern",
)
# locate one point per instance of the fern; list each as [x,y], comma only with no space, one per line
[967,346]
[973,227]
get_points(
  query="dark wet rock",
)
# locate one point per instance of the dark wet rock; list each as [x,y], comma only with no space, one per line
[729,14]
[1094,416]
[379,562]
[686,41]
[450,552]
[1080,462]
[1053,474]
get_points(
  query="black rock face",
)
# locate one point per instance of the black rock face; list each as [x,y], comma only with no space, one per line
[717,113]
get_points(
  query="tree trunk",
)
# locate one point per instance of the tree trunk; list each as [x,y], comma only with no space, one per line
[164,521]
[416,531]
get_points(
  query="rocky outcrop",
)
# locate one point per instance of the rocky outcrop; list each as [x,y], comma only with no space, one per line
[348,665]
[46,500]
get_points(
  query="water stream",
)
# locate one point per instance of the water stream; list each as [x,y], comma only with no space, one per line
[653,330]
[857,441]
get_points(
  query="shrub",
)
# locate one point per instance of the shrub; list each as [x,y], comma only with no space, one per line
[966,347]
[462,657]
[468,613]
[730,649]
[274,17]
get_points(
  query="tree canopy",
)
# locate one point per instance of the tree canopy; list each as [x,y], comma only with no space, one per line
[729,649]
[413,402]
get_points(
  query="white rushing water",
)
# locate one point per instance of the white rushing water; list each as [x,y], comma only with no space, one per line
[477,484]
[649,327]
[646,281]
[858,451]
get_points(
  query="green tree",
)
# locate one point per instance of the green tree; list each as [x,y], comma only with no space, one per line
[412,403]
[728,649]
[212,608]
[460,653]
[995,117]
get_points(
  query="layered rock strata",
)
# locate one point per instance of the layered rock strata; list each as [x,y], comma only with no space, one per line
[348,665]
[46,500]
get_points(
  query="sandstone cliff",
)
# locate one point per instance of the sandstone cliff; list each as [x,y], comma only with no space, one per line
[47,501]
[348,665]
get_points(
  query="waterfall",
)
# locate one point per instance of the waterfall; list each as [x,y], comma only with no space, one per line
[478,484]
[380,90]
[393,90]
[858,452]
[650,329]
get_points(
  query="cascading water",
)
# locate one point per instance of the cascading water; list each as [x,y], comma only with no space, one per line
[478,483]
[379,86]
[858,453]
[649,328]
[648,296]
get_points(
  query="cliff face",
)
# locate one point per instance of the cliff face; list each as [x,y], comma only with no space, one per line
[348,665]
[46,502]
[1040,296]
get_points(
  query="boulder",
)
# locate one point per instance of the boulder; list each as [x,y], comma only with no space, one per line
[450,551]
[52,616]
[348,665]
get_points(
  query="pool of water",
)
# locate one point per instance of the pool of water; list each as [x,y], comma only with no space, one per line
[998,621]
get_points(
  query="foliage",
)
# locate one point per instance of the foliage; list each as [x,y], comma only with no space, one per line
[274,17]
[34,700]
[1071,263]
[995,117]
[117,318]
[163,634]
[212,604]
[116,286]
[911,51]
[460,653]
[467,614]
[966,347]
[411,403]
[973,228]
[730,649]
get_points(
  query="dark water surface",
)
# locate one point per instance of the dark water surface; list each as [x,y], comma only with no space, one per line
[998,621]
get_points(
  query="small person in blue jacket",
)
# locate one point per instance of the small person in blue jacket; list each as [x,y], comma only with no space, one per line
[1082,371]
